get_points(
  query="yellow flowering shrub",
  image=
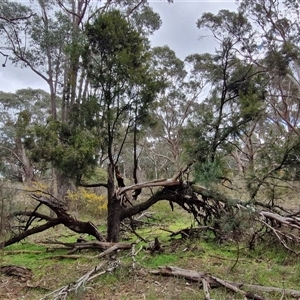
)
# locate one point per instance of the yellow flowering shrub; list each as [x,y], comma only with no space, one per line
[88,201]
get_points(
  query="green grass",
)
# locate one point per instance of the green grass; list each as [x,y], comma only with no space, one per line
[154,261]
[269,264]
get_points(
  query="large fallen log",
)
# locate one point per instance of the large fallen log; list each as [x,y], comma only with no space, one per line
[247,290]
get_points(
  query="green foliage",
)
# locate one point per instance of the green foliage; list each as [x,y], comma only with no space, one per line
[145,19]
[99,175]
[70,150]
[118,66]
[117,50]
[228,26]
[210,171]
[279,58]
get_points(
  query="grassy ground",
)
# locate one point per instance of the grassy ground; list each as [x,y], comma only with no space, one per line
[267,265]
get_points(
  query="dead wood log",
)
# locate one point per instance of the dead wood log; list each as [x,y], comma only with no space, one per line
[106,246]
[88,245]
[214,281]
[205,289]
[14,252]
[292,222]
[113,248]
[17,271]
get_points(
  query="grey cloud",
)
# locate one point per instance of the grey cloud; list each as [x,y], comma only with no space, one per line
[178,31]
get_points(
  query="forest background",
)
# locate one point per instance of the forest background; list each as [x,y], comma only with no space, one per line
[125,125]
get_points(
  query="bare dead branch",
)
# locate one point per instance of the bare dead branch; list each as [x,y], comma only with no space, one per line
[214,281]
[63,217]
[29,232]
[13,20]
[205,286]
[134,232]
[6,57]
[78,246]
[159,182]
[74,287]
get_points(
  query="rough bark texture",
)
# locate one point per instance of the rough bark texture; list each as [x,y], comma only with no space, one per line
[113,220]
[113,208]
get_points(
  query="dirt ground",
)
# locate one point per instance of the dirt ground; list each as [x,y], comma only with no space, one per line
[140,286]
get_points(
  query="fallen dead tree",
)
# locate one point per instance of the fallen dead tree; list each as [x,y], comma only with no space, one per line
[248,291]
[31,218]
[212,210]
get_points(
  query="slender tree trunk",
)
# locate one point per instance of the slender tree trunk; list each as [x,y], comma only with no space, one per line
[28,174]
[114,209]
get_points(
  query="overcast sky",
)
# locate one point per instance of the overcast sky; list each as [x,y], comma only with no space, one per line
[178,31]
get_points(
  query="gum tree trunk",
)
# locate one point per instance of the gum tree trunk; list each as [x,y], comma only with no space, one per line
[114,209]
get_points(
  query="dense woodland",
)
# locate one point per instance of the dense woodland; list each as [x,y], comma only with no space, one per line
[216,134]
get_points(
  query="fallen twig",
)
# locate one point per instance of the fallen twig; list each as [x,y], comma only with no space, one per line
[205,286]
[134,232]
[63,292]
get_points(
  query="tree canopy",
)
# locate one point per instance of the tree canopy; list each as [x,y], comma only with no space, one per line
[226,120]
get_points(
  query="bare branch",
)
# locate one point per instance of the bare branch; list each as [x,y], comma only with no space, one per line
[13,20]
[73,287]
[160,182]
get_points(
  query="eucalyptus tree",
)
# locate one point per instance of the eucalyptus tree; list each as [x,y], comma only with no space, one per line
[277,30]
[19,112]
[48,37]
[234,95]
[105,87]
[175,105]
[252,112]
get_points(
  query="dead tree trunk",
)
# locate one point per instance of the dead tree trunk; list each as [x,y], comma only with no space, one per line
[114,219]
[113,207]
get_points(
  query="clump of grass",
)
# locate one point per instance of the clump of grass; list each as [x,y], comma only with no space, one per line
[154,261]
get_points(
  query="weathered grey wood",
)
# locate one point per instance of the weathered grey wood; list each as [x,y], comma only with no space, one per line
[214,281]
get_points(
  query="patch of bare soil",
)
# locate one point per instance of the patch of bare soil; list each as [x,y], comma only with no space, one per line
[11,288]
